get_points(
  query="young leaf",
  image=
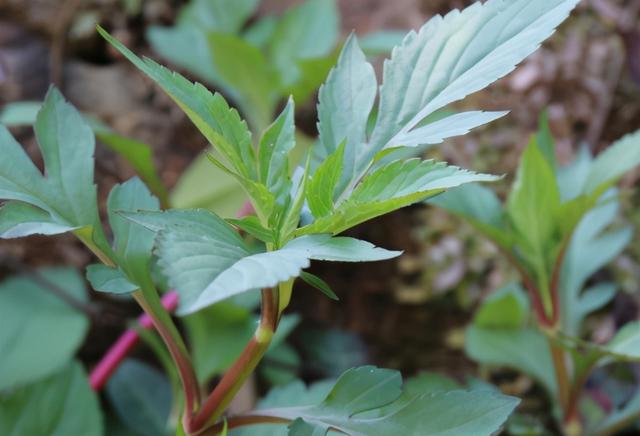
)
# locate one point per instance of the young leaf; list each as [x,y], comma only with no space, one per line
[273,152]
[132,245]
[141,397]
[51,406]
[67,195]
[506,308]
[37,323]
[251,225]
[453,56]
[392,187]
[324,182]
[345,101]
[590,249]
[319,284]
[221,125]
[437,131]
[106,279]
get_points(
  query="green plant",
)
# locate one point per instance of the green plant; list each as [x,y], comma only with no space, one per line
[353,175]
[553,230]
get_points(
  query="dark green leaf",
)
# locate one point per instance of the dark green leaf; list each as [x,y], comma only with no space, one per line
[61,404]
[322,186]
[319,284]
[141,397]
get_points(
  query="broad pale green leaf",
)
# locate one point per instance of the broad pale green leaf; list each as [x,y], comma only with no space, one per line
[430,382]
[263,270]
[438,131]
[392,187]
[205,186]
[307,31]
[345,102]
[244,67]
[141,397]
[480,206]
[106,279]
[453,56]
[194,247]
[273,152]
[612,163]
[324,182]
[138,154]
[506,308]
[132,245]
[369,389]
[221,125]
[36,323]
[61,404]
[19,219]
[625,345]
[67,193]
[504,348]
[590,249]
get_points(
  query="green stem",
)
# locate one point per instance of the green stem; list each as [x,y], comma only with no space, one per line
[217,402]
[149,300]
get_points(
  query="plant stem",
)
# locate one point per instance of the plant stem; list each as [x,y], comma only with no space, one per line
[215,405]
[562,374]
[118,351]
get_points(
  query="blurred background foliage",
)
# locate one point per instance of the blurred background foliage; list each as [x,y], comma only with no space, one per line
[408,314]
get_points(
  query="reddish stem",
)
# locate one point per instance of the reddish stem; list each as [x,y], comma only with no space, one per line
[119,350]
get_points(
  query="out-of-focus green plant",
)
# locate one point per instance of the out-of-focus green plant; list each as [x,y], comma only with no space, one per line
[554,230]
[359,171]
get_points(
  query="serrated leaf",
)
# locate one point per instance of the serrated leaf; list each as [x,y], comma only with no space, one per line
[141,397]
[437,131]
[345,102]
[379,390]
[273,152]
[324,182]
[221,125]
[106,279]
[392,187]
[612,163]
[67,193]
[18,219]
[37,323]
[206,261]
[453,56]
[50,406]
[263,270]
[319,284]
